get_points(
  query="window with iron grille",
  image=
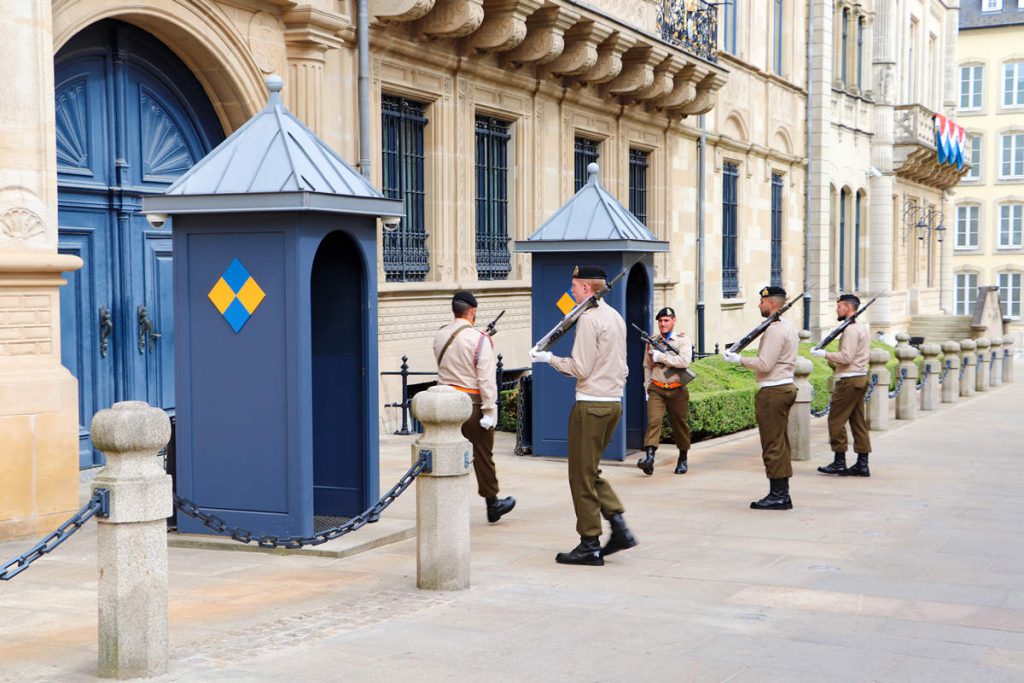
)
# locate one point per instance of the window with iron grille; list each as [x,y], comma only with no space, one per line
[638,162]
[730,271]
[587,152]
[405,249]
[966,293]
[776,257]
[492,256]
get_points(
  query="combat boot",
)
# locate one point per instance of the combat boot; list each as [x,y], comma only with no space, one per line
[681,463]
[838,465]
[777,498]
[646,463]
[860,469]
[587,552]
[621,537]
[496,507]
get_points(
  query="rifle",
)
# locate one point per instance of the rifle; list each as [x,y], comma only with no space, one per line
[759,330]
[828,338]
[662,345]
[491,328]
[570,319]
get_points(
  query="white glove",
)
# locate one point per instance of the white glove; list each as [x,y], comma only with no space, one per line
[731,357]
[657,356]
[540,356]
[487,422]
[820,353]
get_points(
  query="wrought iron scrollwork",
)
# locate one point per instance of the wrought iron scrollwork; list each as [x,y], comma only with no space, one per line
[691,25]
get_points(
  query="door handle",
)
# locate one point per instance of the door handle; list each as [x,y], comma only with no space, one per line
[147,332]
[106,327]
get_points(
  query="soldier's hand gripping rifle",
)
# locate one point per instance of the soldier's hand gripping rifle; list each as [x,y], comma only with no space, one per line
[759,330]
[491,328]
[661,344]
[567,323]
[828,338]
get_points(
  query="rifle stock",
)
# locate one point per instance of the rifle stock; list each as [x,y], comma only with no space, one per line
[828,338]
[759,330]
[662,345]
[570,319]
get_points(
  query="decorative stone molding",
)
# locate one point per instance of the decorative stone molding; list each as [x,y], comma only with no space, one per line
[684,87]
[706,98]
[637,70]
[309,33]
[609,59]
[21,225]
[451,19]
[664,80]
[580,52]
[545,38]
[504,26]
[398,11]
[265,42]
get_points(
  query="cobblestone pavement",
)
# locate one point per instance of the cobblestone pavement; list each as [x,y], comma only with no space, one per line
[914,574]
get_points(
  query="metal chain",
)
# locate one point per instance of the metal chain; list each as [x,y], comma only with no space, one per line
[823,412]
[899,383]
[522,446]
[963,369]
[924,376]
[945,371]
[369,515]
[98,505]
[871,387]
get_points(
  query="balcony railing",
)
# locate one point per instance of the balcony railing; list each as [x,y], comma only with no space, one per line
[692,25]
[914,125]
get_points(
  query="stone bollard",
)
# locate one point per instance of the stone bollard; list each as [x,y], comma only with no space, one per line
[132,541]
[1007,360]
[951,385]
[996,378]
[969,359]
[932,371]
[907,400]
[902,340]
[982,370]
[442,494]
[800,415]
[878,404]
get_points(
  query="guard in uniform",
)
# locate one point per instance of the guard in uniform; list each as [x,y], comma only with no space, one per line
[598,363]
[773,368]
[851,377]
[666,391]
[466,361]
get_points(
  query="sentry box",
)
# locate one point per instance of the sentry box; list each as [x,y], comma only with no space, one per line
[275,312]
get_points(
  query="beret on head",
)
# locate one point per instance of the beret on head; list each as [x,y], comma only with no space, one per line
[852,298]
[666,312]
[589,273]
[465,297]
[772,290]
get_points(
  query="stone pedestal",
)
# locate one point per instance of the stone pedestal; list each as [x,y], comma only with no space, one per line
[996,376]
[969,360]
[878,403]
[951,385]
[907,400]
[442,494]
[981,372]
[902,340]
[932,371]
[1007,360]
[800,415]
[132,541]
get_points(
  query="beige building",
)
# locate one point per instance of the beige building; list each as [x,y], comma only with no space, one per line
[987,229]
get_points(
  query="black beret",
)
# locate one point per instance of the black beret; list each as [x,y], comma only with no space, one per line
[589,273]
[772,290]
[852,298]
[465,297]
[666,312]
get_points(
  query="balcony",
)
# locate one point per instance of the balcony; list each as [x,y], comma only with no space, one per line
[691,25]
[915,156]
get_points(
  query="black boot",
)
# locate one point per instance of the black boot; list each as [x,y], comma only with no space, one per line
[681,463]
[777,498]
[646,463]
[496,507]
[838,465]
[621,537]
[861,468]
[587,552]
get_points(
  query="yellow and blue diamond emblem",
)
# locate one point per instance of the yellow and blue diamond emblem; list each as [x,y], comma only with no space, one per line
[236,295]
[566,303]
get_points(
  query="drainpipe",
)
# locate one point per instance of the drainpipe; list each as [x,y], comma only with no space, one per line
[363,46]
[702,142]
[807,172]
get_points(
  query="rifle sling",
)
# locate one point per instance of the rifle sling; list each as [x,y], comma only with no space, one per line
[448,343]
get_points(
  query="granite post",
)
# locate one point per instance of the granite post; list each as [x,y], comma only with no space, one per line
[1007,360]
[800,415]
[930,398]
[878,403]
[132,541]
[996,378]
[951,385]
[907,400]
[983,368]
[969,359]
[442,493]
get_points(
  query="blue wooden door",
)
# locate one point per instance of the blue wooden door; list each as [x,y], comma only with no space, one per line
[130,120]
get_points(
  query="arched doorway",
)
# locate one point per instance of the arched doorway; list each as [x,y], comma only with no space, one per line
[638,312]
[338,305]
[130,119]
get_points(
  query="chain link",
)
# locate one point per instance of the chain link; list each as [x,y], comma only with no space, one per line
[899,383]
[871,387]
[945,371]
[523,445]
[370,515]
[963,369]
[924,376]
[98,505]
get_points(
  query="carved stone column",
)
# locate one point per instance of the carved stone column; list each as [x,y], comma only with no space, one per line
[882,185]
[309,33]
[38,397]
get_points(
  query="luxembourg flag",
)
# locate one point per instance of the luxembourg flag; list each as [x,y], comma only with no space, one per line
[950,141]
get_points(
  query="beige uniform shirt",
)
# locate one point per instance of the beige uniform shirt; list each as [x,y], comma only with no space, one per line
[669,370]
[776,354]
[854,350]
[598,359]
[469,362]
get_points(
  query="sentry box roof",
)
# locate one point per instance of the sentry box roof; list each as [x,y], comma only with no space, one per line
[273,163]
